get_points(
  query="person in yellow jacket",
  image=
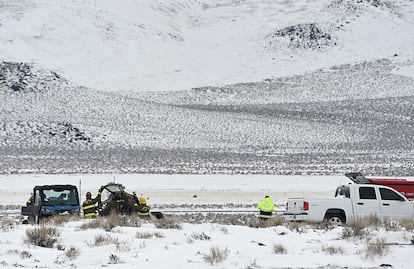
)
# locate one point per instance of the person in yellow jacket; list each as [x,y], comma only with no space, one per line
[89,206]
[143,208]
[30,200]
[266,208]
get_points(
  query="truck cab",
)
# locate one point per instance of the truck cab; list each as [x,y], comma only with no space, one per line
[49,200]
[350,201]
[382,201]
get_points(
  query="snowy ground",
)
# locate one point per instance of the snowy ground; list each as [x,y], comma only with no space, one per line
[282,246]
[179,189]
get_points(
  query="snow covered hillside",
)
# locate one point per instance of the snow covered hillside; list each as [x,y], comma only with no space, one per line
[178,45]
[188,86]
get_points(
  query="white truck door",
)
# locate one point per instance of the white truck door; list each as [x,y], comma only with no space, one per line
[394,205]
[366,202]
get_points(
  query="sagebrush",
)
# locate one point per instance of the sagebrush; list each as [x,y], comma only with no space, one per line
[216,255]
[377,248]
[43,236]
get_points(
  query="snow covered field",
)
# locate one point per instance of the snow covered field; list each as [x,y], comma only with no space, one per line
[194,245]
[173,189]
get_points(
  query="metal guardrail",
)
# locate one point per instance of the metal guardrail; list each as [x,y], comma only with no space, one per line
[233,211]
[16,213]
[9,213]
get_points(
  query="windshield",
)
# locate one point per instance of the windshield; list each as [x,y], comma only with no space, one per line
[109,190]
[60,197]
[114,188]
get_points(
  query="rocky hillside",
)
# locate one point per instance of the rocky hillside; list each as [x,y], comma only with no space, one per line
[49,124]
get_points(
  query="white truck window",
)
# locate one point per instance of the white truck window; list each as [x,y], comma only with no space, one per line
[387,194]
[342,191]
[367,193]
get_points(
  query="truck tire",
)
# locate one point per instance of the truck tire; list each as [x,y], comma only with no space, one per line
[335,220]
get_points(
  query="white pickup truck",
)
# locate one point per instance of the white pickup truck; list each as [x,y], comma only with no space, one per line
[350,201]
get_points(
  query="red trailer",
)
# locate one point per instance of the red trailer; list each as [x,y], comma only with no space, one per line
[402,185]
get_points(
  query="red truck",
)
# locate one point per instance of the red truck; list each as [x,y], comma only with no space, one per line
[402,185]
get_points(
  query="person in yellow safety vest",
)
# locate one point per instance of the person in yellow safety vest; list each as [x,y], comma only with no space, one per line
[266,208]
[143,208]
[89,206]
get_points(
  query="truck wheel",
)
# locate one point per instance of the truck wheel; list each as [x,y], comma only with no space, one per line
[335,220]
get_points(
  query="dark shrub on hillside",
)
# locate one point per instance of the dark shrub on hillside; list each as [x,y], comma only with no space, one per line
[301,36]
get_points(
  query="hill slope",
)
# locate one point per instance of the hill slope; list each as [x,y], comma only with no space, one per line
[136,45]
[52,125]
[236,86]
